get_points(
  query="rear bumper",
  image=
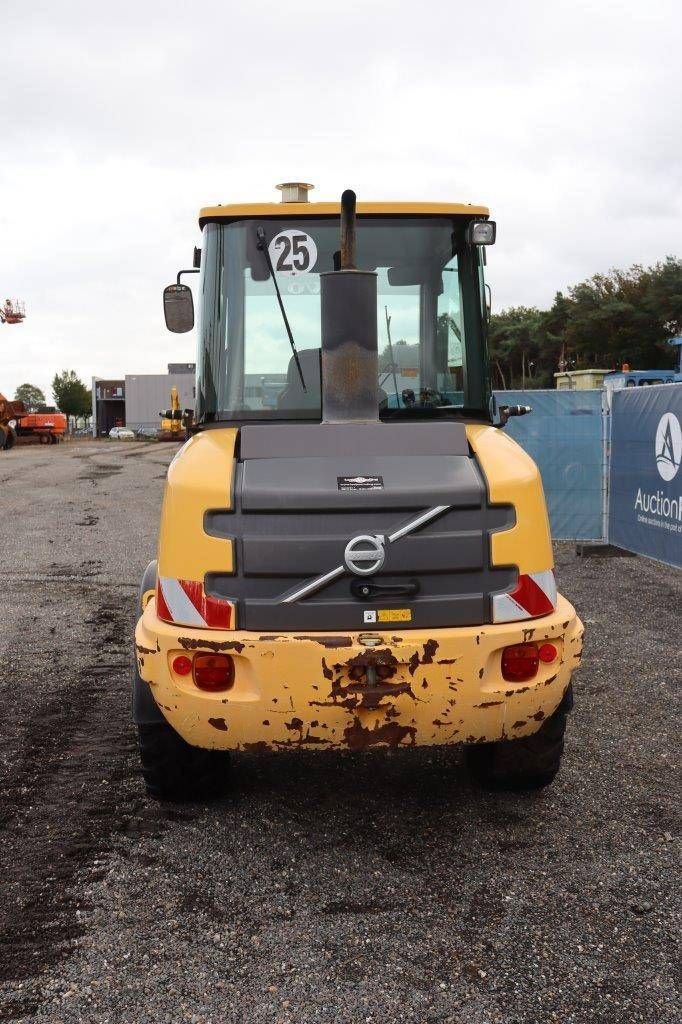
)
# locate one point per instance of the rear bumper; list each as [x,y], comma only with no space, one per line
[416,687]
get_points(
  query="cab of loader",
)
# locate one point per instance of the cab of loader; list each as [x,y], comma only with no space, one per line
[419,314]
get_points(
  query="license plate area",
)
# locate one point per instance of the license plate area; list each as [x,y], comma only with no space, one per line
[371,680]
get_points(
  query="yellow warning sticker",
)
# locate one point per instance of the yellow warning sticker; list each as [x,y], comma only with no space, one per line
[394,615]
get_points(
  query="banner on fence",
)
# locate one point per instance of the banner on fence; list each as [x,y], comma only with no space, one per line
[645,507]
[564,435]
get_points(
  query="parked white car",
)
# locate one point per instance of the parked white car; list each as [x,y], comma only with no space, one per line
[121,434]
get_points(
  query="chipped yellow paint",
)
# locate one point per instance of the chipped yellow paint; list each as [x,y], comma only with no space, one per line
[199,479]
[514,479]
[429,687]
[299,211]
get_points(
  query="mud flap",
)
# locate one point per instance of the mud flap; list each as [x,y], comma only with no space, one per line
[145,709]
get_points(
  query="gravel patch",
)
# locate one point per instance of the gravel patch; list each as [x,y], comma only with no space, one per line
[326,887]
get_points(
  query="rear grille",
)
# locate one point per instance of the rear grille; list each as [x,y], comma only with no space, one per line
[278,552]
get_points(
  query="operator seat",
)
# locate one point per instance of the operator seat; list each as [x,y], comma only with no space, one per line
[293,398]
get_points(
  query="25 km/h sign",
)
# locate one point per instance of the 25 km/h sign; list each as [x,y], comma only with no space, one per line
[293,252]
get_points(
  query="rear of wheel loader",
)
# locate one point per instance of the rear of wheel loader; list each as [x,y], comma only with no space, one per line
[352,553]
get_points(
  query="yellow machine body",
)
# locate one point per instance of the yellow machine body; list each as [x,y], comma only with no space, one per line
[311,690]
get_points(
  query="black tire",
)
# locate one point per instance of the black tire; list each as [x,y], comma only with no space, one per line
[173,770]
[10,439]
[531,762]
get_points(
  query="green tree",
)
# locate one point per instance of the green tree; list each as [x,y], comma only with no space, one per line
[550,338]
[512,338]
[627,316]
[71,395]
[30,395]
[623,316]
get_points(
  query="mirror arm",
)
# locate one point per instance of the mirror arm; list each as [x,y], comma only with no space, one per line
[194,270]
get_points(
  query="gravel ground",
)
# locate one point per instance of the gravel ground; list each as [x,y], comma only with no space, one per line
[326,887]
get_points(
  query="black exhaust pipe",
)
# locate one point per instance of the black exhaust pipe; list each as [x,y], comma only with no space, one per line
[349,332]
[348,230]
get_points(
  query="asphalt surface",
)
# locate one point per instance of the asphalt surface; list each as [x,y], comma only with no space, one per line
[325,887]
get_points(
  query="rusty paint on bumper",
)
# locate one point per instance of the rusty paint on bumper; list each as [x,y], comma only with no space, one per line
[425,687]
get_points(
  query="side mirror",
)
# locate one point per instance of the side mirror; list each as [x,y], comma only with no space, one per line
[178,308]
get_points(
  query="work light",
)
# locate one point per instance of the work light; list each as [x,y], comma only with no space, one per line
[481,232]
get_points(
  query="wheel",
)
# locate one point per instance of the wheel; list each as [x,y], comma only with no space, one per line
[530,762]
[44,438]
[10,439]
[174,770]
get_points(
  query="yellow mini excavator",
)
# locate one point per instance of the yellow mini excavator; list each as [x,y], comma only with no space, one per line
[172,420]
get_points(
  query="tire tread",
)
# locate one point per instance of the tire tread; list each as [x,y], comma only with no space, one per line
[173,770]
[530,762]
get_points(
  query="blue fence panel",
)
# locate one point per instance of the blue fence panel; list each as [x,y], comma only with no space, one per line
[564,436]
[645,506]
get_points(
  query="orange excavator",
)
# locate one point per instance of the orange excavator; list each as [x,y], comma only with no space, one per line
[47,426]
[9,416]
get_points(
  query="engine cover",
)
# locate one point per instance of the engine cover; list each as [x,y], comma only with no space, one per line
[321,509]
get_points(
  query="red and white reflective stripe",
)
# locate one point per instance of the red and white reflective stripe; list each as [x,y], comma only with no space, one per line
[534,595]
[185,603]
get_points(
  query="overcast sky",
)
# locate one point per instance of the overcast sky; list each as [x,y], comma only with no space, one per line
[118,121]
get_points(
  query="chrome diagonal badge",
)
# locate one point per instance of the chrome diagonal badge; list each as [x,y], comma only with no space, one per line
[364,555]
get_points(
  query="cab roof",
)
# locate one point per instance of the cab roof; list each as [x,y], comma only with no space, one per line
[240,211]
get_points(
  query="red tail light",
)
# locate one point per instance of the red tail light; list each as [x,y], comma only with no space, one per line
[182,665]
[520,662]
[213,672]
[548,653]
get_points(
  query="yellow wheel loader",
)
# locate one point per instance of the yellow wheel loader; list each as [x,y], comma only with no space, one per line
[352,553]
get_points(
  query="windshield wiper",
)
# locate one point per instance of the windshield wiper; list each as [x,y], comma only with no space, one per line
[390,349]
[260,234]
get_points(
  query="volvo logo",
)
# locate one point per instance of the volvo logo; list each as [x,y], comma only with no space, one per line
[365,554]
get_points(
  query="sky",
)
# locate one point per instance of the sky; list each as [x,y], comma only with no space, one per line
[119,121]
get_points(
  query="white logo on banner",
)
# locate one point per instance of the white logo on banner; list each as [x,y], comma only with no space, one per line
[668,446]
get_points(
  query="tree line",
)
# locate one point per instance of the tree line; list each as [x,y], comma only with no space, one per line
[69,392]
[625,316]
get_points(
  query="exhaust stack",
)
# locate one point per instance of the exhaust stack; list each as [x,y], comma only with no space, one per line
[349,332]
